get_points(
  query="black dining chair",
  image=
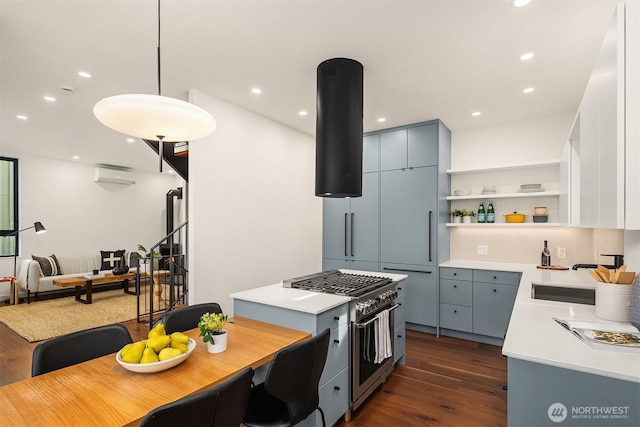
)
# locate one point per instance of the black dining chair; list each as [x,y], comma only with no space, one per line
[289,393]
[220,406]
[77,347]
[185,318]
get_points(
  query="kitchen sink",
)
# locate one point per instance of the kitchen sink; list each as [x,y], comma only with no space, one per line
[563,293]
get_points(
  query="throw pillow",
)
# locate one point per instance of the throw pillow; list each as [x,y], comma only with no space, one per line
[110,259]
[49,266]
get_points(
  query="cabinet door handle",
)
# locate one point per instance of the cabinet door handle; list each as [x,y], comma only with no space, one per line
[399,336]
[430,221]
[336,318]
[336,388]
[336,341]
[455,311]
[352,234]
[495,290]
[345,234]
[410,271]
[455,286]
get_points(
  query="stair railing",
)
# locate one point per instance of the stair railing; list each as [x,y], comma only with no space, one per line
[161,288]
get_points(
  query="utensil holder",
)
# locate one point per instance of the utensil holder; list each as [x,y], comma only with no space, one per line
[613,301]
[635,303]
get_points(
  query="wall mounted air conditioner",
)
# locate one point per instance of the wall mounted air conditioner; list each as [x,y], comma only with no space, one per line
[114,176]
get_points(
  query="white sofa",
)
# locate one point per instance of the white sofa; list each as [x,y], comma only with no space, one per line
[33,281]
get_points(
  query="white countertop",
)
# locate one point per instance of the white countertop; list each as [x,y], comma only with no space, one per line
[534,336]
[301,300]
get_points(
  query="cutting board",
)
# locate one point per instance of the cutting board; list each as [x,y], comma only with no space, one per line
[554,267]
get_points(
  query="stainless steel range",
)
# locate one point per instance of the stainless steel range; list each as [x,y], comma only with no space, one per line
[371,308]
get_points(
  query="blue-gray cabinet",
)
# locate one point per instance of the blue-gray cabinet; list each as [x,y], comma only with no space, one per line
[477,302]
[399,318]
[350,229]
[408,215]
[334,382]
[400,220]
[421,302]
[456,299]
[494,293]
[413,213]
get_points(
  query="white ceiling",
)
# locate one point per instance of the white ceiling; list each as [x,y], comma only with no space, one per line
[422,60]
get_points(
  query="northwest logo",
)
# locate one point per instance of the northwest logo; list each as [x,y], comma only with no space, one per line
[557,412]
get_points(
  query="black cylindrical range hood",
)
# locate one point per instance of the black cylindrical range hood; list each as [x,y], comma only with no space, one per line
[339,128]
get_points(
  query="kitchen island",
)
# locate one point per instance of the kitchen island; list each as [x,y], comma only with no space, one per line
[553,377]
[312,312]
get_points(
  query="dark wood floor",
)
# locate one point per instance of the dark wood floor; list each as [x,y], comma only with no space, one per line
[445,382]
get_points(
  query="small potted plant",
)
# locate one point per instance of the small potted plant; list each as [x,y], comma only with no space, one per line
[144,256]
[456,216]
[211,329]
[467,215]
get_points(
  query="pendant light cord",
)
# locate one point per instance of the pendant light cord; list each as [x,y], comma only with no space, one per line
[159,85]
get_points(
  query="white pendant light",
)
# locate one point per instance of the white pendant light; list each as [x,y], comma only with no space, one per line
[151,116]
[155,117]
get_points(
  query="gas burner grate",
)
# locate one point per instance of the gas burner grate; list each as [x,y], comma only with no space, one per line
[337,282]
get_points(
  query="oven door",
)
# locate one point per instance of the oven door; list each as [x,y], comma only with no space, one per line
[365,373]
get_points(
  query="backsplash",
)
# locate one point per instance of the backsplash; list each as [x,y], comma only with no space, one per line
[522,245]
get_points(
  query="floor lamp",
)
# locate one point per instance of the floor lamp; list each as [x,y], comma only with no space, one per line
[39,230]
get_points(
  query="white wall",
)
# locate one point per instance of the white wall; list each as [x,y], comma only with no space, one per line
[253,215]
[538,139]
[83,217]
[532,140]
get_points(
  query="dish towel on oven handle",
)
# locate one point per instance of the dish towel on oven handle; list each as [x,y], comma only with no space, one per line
[382,337]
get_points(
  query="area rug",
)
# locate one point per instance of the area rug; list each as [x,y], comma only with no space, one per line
[42,320]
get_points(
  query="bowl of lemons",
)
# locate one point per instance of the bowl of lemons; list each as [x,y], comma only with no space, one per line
[157,353]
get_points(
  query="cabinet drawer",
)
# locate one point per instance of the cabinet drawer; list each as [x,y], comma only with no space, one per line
[334,399]
[332,318]
[398,343]
[501,277]
[338,354]
[456,292]
[457,317]
[456,273]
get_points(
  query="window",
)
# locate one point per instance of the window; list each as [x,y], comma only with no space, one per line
[8,206]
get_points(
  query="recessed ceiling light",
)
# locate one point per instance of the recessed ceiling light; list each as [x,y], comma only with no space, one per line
[526,56]
[476,113]
[49,99]
[382,119]
[130,140]
[76,157]
[302,113]
[520,3]
[528,90]
[21,117]
[84,74]
[256,90]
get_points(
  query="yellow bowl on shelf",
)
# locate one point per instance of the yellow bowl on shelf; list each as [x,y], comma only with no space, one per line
[515,217]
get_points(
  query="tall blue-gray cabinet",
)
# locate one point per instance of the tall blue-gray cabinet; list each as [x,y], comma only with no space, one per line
[350,230]
[413,213]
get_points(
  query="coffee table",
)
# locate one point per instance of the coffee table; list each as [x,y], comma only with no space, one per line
[80,282]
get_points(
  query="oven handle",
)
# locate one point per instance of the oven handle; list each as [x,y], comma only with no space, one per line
[362,325]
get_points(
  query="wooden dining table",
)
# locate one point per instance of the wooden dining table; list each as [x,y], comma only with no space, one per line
[100,392]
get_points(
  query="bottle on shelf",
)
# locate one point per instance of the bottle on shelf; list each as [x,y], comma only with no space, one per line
[491,213]
[545,260]
[482,214]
